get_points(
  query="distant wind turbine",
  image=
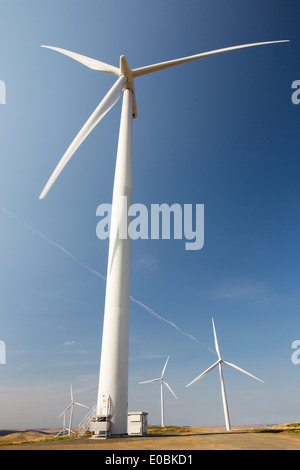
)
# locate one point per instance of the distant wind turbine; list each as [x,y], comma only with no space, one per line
[162,383]
[71,408]
[113,378]
[64,430]
[219,363]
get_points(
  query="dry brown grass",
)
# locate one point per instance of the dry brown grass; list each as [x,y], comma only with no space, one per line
[15,437]
[22,436]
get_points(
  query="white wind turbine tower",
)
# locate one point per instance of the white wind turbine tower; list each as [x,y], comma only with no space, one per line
[162,383]
[113,380]
[71,408]
[219,363]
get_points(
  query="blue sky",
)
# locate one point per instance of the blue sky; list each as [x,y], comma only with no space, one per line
[222,132]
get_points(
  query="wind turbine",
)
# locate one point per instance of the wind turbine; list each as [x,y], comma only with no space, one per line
[64,430]
[219,363]
[71,407]
[162,383]
[113,379]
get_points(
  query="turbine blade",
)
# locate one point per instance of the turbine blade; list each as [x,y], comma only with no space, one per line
[106,104]
[164,369]
[79,404]
[65,410]
[87,61]
[71,389]
[149,381]
[168,386]
[241,370]
[216,340]
[163,65]
[203,373]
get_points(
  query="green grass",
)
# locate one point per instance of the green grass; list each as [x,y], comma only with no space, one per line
[283,428]
[167,430]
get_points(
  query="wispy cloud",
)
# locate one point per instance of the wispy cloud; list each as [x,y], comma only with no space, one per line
[146,263]
[242,289]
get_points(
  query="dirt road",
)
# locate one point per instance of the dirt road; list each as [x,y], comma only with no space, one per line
[202,440]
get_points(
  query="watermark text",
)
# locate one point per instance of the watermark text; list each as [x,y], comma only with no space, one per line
[2,352]
[161,222]
[296,353]
[2,92]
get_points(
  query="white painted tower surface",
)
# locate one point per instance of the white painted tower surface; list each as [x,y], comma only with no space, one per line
[113,378]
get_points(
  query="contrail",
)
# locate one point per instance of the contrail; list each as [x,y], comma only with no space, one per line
[93,271]
[57,245]
[162,318]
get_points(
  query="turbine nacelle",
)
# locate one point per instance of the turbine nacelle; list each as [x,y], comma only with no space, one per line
[126,70]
